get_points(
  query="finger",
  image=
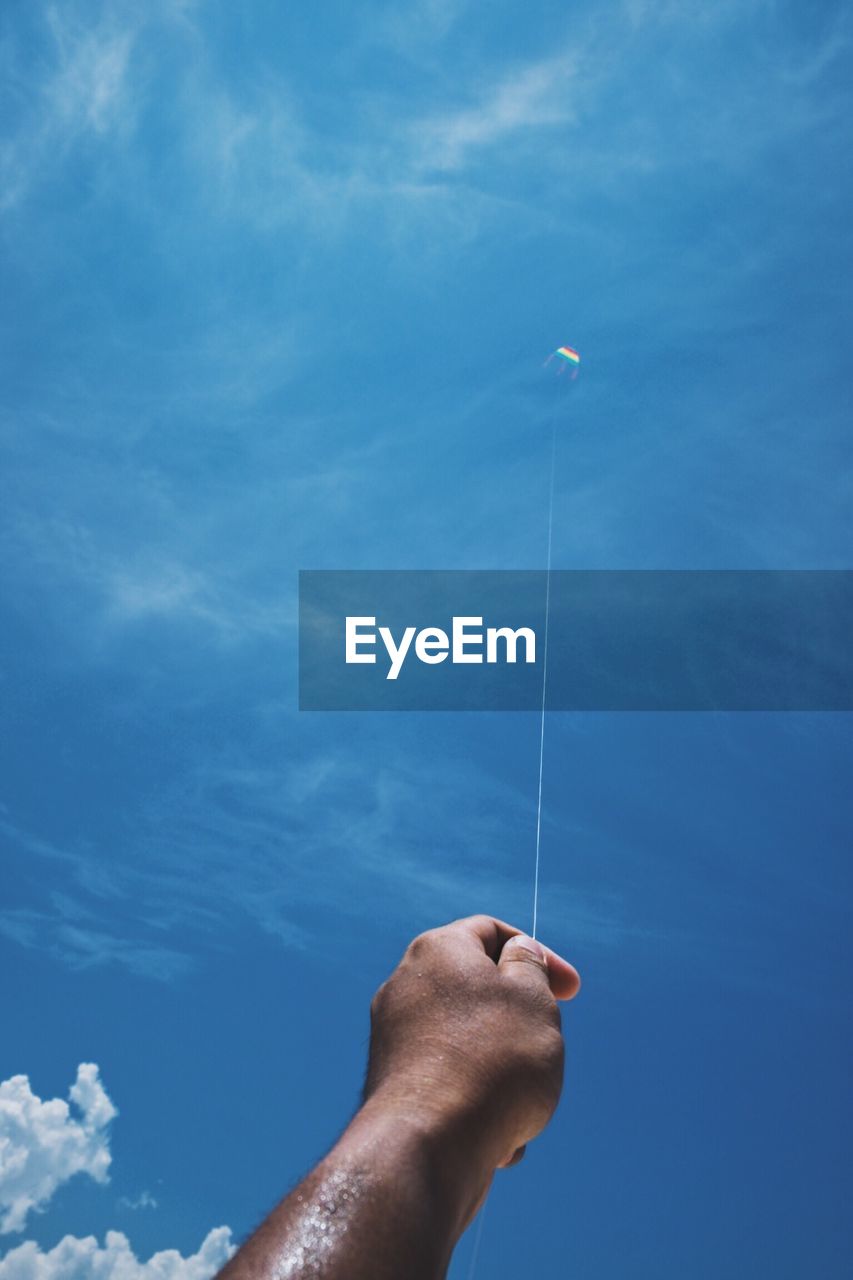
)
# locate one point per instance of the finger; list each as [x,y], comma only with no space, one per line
[486,933]
[492,935]
[562,978]
[523,959]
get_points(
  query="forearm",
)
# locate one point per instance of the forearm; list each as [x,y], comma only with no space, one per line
[390,1200]
[466,1066]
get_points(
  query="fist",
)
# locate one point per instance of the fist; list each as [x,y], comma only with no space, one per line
[465,1037]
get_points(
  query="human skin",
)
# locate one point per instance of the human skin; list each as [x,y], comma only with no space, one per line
[465,1068]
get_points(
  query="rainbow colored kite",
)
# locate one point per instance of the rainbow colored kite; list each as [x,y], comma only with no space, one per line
[569,354]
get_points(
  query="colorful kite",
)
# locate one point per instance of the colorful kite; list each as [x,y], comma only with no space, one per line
[569,354]
[566,356]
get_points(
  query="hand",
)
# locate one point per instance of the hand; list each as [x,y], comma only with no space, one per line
[465,1036]
[466,1065]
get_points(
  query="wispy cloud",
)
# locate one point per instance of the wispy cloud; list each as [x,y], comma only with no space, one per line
[85,91]
[75,920]
[534,96]
[144,1200]
[260,158]
[123,590]
[92,947]
[369,824]
[234,477]
[232,844]
[423,22]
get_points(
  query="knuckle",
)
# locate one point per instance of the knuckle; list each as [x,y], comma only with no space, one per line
[556,1048]
[421,944]
[545,1053]
[378,1001]
[554,1055]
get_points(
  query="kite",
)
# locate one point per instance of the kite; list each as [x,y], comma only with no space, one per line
[569,354]
[566,356]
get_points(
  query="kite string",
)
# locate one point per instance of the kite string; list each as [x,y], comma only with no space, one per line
[544,675]
[475,1250]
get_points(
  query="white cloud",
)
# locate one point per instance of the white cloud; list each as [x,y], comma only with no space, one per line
[42,1144]
[144,1200]
[74,924]
[92,947]
[88,85]
[532,97]
[153,584]
[84,92]
[182,880]
[421,24]
[333,810]
[85,1259]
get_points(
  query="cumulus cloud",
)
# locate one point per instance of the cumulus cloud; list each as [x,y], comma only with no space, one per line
[43,1144]
[85,1259]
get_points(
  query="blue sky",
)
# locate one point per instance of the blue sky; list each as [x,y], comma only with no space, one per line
[277,284]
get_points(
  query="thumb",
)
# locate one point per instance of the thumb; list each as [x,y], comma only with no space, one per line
[523,959]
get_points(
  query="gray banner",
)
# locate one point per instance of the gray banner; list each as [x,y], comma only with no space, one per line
[618,640]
